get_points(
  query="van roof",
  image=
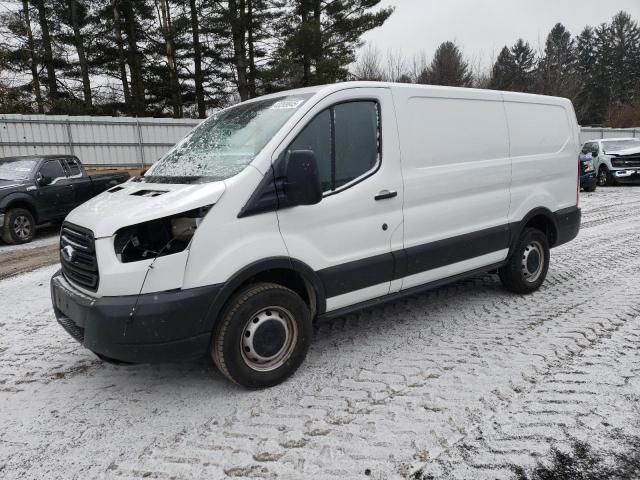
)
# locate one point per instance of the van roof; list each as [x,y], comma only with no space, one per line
[440,90]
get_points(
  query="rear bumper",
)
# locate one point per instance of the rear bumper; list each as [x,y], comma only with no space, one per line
[148,328]
[567,224]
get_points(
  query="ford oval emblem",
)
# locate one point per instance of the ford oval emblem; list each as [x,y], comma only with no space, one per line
[68,253]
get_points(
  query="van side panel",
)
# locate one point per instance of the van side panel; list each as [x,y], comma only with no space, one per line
[544,153]
[225,244]
[457,172]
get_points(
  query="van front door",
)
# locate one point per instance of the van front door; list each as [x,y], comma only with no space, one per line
[348,237]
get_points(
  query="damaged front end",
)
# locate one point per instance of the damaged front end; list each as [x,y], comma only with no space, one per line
[157,320]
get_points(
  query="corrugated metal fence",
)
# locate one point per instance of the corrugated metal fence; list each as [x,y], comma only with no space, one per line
[594,133]
[132,142]
[97,141]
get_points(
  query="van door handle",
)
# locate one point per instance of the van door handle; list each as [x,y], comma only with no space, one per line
[384,194]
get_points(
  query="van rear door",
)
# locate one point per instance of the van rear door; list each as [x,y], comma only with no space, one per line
[348,237]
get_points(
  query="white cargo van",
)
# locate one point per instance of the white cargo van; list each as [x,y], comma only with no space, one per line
[314,203]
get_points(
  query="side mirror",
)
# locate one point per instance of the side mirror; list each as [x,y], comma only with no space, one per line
[41,180]
[302,186]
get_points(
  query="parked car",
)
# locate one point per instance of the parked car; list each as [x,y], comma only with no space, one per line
[588,177]
[311,204]
[40,189]
[617,160]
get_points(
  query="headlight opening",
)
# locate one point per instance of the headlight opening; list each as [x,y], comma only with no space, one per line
[158,237]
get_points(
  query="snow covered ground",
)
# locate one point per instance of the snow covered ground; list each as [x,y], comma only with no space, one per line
[47,235]
[466,381]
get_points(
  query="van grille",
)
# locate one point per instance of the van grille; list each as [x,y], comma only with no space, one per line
[81,266]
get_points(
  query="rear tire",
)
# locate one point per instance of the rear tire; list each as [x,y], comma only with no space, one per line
[527,267]
[590,189]
[19,226]
[263,336]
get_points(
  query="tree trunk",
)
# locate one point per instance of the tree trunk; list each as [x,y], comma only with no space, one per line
[121,57]
[197,60]
[133,59]
[48,53]
[169,44]
[252,61]
[306,57]
[317,40]
[33,58]
[79,44]
[238,30]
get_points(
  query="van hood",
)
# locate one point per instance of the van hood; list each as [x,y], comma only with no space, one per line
[132,203]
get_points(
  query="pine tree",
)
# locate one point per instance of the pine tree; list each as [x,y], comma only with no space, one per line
[448,67]
[321,38]
[624,50]
[556,68]
[503,71]
[593,95]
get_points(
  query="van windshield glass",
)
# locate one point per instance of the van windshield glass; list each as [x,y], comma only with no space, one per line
[224,144]
[617,145]
[16,168]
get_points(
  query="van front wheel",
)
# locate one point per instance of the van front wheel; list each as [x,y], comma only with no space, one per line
[527,267]
[263,336]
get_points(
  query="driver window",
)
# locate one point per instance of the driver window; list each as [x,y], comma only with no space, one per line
[345,139]
[52,170]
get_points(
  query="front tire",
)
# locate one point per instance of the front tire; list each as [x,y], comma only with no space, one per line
[527,267]
[604,177]
[263,336]
[19,226]
[590,189]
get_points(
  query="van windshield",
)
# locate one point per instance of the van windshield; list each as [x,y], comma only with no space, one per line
[224,144]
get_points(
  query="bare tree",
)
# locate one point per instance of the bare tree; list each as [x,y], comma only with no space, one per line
[369,65]
[395,66]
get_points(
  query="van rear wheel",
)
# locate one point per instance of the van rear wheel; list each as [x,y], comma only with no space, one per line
[527,267]
[263,336]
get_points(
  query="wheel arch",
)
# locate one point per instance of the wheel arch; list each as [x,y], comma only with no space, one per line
[20,201]
[541,218]
[285,271]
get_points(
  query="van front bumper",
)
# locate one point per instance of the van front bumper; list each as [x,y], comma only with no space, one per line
[147,328]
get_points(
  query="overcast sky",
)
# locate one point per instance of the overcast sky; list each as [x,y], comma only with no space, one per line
[483,27]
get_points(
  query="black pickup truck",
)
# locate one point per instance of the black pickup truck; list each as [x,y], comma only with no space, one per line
[44,189]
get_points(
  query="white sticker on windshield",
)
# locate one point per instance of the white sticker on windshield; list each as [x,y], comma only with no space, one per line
[286,104]
[19,169]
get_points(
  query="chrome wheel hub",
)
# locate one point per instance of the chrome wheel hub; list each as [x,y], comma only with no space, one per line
[268,339]
[532,262]
[22,227]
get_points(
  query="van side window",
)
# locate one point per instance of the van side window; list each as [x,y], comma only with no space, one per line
[316,137]
[354,149]
[356,127]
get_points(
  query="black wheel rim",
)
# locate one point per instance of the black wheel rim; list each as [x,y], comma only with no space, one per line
[602,177]
[22,227]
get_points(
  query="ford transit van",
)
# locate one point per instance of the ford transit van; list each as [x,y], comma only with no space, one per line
[310,204]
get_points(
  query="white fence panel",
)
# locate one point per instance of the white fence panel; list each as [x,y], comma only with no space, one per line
[125,141]
[97,141]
